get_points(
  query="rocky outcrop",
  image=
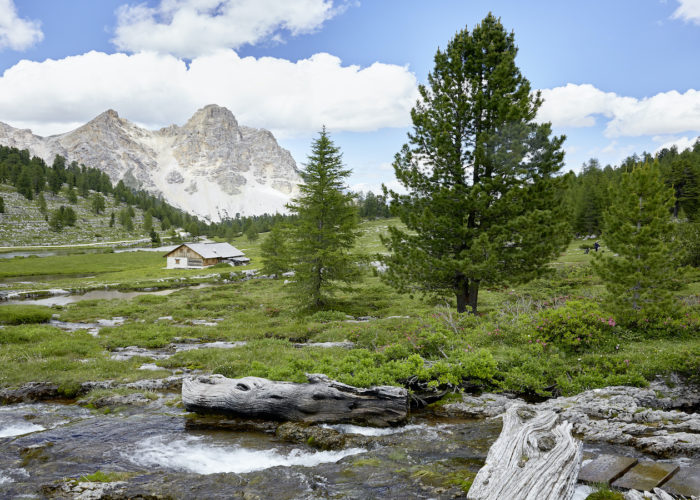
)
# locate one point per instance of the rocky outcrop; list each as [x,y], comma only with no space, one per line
[644,418]
[211,166]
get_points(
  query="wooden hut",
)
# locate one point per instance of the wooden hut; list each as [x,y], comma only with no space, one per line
[198,255]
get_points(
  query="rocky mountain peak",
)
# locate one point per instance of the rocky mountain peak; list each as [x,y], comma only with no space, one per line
[107,120]
[212,116]
[211,166]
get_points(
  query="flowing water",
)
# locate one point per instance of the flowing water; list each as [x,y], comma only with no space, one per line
[61,299]
[163,453]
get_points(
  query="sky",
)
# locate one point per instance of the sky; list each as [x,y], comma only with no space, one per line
[618,76]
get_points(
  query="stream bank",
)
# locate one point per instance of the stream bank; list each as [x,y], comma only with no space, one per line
[145,444]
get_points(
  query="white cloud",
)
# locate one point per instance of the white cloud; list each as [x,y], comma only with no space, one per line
[155,90]
[664,113]
[574,105]
[688,10]
[682,143]
[190,28]
[376,187]
[17,33]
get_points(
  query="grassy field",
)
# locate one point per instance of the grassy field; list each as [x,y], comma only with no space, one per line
[550,336]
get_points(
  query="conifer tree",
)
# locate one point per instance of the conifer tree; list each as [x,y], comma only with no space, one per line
[251,233]
[155,238]
[643,256]
[126,220]
[24,184]
[274,252]
[41,201]
[326,228]
[481,204]
[2,205]
[98,203]
[71,195]
[147,222]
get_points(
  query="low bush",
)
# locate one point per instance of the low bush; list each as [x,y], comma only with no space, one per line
[575,327]
[328,316]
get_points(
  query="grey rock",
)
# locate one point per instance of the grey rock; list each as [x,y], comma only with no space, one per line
[486,405]
[631,416]
[243,170]
[619,415]
[31,391]
[174,177]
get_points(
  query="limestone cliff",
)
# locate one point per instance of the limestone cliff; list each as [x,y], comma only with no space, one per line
[211,166]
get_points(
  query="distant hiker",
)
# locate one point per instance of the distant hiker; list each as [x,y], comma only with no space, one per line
[586,250]
[596,246]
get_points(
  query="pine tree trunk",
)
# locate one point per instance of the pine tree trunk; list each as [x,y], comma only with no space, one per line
[467,293]
[473,295]
[462,293]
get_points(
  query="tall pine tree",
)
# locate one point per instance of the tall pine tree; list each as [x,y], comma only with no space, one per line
[639,231]
[326,228]
[481,205]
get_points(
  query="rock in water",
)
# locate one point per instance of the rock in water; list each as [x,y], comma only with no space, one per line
[534,458]
[322,400]
[210,167]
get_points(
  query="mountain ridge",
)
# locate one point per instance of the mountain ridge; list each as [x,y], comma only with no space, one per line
[211,166]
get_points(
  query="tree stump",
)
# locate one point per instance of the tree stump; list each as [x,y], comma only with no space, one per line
[532,459]
[322,400]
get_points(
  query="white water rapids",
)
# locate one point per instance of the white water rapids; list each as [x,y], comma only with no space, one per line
[193,454]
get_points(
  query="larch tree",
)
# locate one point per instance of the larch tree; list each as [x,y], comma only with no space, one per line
[481,204]
[643,258]
[274,253]
[321,238]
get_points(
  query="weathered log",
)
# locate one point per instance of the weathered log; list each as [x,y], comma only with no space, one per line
[532,459]
[322,400]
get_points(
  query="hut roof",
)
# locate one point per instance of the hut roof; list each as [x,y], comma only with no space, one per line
[212,250]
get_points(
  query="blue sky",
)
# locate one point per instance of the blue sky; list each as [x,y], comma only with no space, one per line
[618,76]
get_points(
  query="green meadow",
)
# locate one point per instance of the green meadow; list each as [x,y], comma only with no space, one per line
[550,336]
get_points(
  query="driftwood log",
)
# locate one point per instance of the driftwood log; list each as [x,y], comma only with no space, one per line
[534,458]
[322,400]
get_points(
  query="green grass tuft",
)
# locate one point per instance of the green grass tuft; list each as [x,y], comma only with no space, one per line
[23,315]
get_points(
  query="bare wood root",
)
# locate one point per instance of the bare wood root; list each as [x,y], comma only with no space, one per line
[532,459]
[321,400]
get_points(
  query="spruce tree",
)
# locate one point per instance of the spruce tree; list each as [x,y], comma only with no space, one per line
[274,252]
[481,204]
[643,258]
[326,228]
